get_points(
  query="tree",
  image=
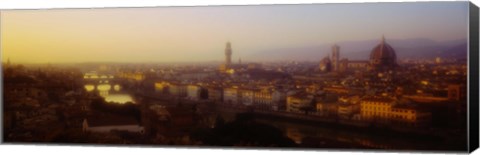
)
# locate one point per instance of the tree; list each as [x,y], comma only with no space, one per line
[243,131]
[219,121]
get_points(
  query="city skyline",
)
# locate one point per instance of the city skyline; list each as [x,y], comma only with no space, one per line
[179,34]
[383,76]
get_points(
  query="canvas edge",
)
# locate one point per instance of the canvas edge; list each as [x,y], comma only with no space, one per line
[473,108]
[473,71]
[2,140]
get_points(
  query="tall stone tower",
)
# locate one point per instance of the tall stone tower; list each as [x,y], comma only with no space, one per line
[228,55]
[335,57]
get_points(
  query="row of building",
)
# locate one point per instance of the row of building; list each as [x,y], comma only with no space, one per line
[324,103]
[378,110]
[232,95]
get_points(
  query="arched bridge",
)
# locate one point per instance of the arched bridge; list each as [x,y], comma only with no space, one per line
[95,78]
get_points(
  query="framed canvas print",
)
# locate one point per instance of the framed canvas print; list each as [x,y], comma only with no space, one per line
[398,76]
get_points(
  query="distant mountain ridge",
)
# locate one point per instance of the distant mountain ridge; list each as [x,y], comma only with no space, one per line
[360,50]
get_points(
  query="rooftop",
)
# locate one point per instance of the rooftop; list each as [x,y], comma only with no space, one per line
[378,99]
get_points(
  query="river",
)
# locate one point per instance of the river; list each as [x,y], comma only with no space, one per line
[318,135]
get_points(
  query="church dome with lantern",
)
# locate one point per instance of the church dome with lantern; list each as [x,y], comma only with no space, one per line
[383,56]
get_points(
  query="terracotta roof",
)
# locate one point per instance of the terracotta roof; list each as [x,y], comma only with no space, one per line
[301,95]
[405,106]
[378,99]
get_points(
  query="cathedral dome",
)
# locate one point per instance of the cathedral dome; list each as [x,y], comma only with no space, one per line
[383,56]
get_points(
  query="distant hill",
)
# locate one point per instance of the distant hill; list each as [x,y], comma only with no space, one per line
[458,51]
[405,48]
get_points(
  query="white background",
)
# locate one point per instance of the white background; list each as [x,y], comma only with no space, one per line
[85,150]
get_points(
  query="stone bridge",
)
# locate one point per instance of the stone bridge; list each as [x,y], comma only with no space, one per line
[95,78]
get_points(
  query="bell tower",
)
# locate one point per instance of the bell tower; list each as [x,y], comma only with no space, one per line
[335,57]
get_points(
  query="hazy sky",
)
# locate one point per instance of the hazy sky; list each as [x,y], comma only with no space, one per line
[168,34]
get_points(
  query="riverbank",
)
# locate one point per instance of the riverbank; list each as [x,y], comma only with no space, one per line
[402,139]
[366,135]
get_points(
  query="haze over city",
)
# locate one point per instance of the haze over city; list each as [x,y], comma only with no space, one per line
[386,76]
[197,34]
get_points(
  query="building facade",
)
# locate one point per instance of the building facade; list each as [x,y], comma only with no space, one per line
[299,102]
[387,111]
[193,92]
[231,95]
[215,94]
[376,109]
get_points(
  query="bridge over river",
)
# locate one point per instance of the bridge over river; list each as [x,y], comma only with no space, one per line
[107,86]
